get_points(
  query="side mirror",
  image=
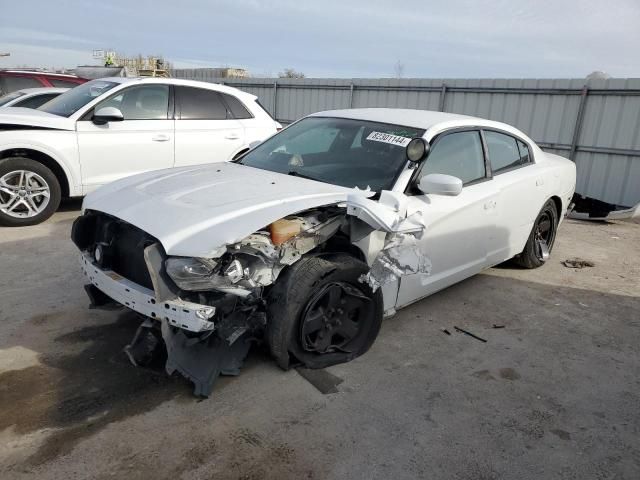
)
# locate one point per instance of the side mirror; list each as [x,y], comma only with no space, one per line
[440,184]
[107,114]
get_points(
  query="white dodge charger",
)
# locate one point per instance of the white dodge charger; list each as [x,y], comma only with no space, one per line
[309,239]
[111,128]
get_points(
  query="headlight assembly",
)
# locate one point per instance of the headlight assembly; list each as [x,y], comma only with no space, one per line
[191,273]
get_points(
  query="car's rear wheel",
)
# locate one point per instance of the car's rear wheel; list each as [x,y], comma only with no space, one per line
[29,192]
[541,239]
[321,314]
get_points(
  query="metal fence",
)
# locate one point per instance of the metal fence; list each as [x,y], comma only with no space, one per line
[595,124]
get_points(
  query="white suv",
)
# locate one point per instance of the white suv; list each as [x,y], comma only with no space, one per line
[111,128]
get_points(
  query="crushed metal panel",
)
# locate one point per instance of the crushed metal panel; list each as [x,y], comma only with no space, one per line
[370,244]
[389,213]
[400,256]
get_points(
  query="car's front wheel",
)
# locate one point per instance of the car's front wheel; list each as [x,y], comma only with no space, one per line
[321,313]
[29,192]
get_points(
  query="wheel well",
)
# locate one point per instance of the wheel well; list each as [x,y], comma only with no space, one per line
[340,243]
[558,204]
[44,159]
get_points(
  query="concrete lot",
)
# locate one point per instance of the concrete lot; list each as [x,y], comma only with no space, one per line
[554,394]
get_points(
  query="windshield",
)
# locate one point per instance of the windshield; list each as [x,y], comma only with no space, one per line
[9,97]
[70,102]
[345,152]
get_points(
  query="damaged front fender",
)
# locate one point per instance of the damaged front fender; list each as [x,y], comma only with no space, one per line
[400,256]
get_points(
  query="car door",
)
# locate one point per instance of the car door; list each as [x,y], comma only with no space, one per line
[205,128]
[521,192]
[459,229]
[142,141]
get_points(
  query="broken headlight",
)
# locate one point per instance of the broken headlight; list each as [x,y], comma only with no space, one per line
[190,273]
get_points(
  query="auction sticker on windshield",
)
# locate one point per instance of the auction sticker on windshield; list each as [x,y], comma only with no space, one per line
[389,138]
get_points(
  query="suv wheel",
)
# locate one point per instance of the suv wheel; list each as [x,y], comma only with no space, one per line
[29,192]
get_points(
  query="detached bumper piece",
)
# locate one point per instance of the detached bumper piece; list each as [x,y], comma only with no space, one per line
[203,360]
[586,208]
[200,359]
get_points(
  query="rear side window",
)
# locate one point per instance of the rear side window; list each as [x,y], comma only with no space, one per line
[237,108]
[35,101]
[62,83]
[11,84]
[459,154]
[200,104]
[505,151]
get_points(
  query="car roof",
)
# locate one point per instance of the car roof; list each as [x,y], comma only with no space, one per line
[432,122]
[31,91]
[400,116]
[35,72]
[179,81]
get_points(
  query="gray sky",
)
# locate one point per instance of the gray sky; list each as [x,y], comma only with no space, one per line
[336,38]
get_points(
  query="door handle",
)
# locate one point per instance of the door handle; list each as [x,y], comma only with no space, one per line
[232,136]
[490,204]
[160,138]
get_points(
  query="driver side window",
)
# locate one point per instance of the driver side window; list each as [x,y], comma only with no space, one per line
[458,154]
[144,102]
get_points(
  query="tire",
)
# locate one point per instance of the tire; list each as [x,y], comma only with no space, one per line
[302,292]
[531,256]
[24,184]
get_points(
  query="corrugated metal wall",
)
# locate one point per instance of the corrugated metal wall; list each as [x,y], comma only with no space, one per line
[599,127]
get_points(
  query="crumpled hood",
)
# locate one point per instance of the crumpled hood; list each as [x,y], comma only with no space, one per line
[194,211]
[33,118]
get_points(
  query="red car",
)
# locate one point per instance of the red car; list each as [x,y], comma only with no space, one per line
[12,80]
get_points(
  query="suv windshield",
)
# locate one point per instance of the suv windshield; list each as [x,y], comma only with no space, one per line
[70,102]
[340,151]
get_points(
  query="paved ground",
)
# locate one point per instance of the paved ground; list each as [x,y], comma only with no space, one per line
[553,394]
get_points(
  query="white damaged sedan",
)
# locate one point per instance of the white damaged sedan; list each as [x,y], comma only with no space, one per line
[309,239]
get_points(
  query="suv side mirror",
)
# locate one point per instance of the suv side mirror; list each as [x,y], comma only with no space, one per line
[440,184]
[107,114]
